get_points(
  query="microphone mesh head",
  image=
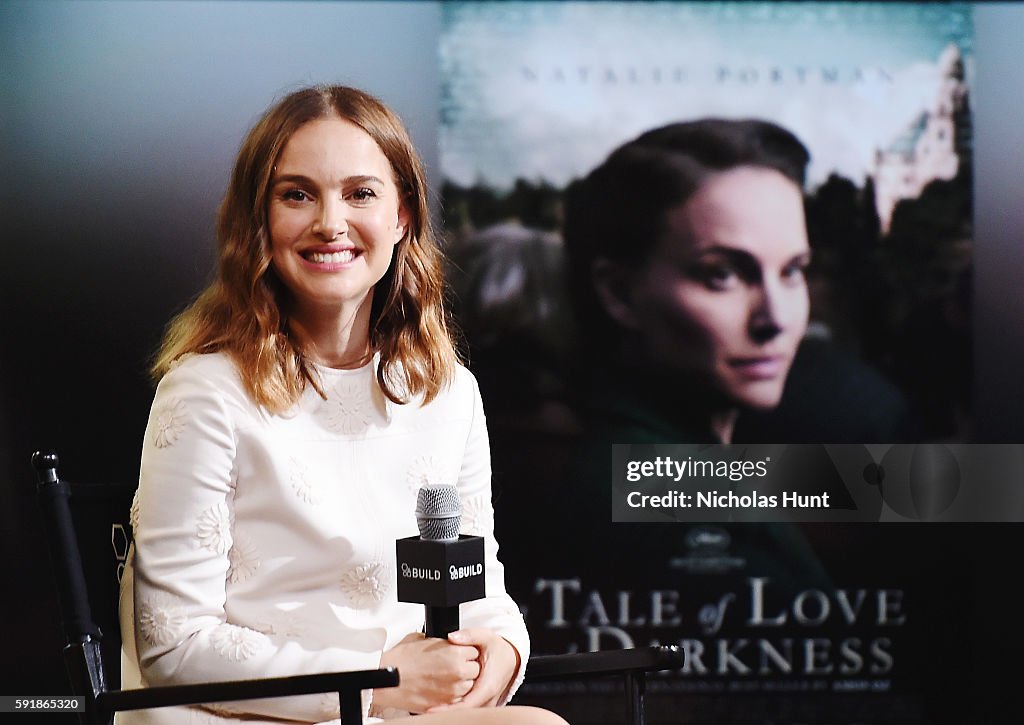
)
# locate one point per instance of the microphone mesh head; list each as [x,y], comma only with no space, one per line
[438,512]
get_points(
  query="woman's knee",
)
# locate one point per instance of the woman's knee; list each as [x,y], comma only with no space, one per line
[529,715]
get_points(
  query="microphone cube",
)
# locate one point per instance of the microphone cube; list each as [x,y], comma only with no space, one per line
[440,573]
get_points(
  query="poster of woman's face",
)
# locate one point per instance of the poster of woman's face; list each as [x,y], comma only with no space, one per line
[878,94]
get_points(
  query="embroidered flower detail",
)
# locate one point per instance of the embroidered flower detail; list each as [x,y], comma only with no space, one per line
[243,559]
[348,407]
[160,622]
[236,643]
[133,513]
[214,528]
[304,488]
[367,583]
[169,420]
[477,515]
[426,470]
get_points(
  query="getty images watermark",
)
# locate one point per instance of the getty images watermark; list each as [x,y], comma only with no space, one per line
[845,482]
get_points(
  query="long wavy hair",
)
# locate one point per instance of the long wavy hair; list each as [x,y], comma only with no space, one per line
[243,313]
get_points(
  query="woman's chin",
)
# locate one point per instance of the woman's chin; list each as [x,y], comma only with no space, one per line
[762,397]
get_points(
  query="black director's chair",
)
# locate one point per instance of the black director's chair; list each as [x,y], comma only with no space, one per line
[102,522]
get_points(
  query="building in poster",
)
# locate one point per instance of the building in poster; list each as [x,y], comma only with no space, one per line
[930,148]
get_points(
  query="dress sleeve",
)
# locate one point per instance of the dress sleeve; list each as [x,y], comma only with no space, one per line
[497,610]
[183,550]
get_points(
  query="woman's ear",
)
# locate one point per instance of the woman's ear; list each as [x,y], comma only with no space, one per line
[613,283]
[402,224]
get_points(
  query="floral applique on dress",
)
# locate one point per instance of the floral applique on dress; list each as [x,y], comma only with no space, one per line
[160,622]
[214,528]
[133,513]
[427,471]
[367,583]
[349,407]
[243,559]
[302,483]
[477,515]
[169,421]
[236,643]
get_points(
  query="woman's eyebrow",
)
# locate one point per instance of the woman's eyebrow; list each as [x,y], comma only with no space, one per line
[346,181]
[743,262]
[361,179]
[740,255]
[291,178]
[722,250]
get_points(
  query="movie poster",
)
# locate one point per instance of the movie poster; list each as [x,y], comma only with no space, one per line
[795,623]
[536,94]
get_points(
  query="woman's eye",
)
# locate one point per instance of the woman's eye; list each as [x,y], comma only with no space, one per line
[295,195]
[362,194]
[718,276]
[794,273]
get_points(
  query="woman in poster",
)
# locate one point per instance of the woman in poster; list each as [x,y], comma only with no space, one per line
[687,251]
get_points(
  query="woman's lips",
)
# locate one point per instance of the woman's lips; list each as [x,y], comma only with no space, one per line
[341,257]
[330,259]
[760,368]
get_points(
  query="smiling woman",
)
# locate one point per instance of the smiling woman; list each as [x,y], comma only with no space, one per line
[334,216]
[303,399]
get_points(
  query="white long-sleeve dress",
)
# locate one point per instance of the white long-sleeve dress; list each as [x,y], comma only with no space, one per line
[265,544]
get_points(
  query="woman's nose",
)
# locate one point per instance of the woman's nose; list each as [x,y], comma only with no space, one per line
[331,222]
[765,322]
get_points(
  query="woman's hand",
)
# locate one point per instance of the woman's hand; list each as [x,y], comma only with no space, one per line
[434,672]
[499,661]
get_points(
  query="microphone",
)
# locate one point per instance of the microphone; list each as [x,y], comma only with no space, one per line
[438,513]
[440,568]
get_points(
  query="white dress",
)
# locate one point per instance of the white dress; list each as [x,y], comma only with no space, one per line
[265,544]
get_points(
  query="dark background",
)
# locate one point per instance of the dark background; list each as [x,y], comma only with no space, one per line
[119,123]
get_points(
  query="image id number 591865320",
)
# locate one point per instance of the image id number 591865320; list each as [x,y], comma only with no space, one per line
[34,703]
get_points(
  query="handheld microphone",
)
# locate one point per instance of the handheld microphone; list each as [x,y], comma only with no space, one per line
[440,568]
[438,513]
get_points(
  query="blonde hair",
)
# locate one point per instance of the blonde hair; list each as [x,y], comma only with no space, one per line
[242,313]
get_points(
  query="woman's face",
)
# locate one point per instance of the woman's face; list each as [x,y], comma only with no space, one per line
[724,297]
[335,217]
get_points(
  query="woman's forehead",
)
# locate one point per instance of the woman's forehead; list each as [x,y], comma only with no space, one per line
[756,210]
[331,143]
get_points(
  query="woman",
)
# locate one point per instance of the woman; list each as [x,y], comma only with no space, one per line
[303,399]
[686,251]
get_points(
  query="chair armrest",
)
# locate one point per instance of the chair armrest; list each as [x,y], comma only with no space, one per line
[140,699]
[608,662]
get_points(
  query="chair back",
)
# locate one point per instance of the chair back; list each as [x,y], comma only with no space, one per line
[88,530]
[88,536]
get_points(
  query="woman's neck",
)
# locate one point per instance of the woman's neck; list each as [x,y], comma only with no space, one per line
[334,338]
[723,422]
